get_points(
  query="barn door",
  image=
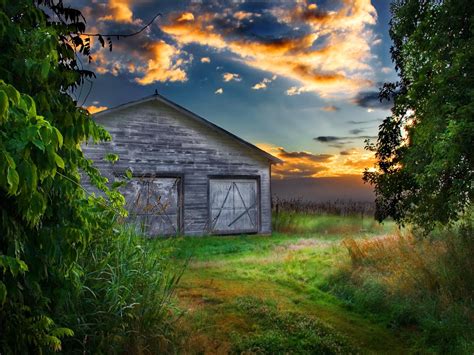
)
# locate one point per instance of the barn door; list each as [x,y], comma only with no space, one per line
[234,206]
[153,203]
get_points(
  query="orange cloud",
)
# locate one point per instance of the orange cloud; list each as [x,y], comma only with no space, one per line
[185,16]
[337,66]
[120,11]
[243,15]
[307,164]
[231,76]
[94,109]
[263,83]
[164,65]
[205,60]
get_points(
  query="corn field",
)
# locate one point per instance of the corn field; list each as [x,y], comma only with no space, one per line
[336,207]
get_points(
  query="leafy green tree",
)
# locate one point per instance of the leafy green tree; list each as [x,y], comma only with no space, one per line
[46,217]
[424,149]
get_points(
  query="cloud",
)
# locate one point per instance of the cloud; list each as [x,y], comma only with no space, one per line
[377,41]
[205,60]
[165,64]
[347,152]
[306,164]
[322,49]
[185,16]
[263,84]
[363,122]
[231,76]
[243,15]
[304,155]
[371,100]
[386,70]
[340,142]
[94,109]
[330,108]
[356,131]
[219,91]
[295,91]
[330,54]
[328,139]
[119,11]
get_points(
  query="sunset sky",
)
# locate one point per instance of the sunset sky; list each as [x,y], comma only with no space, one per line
[297,78]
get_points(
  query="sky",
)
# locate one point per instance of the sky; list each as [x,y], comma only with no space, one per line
[298,79]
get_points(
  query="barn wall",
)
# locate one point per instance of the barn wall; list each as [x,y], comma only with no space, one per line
[153,138]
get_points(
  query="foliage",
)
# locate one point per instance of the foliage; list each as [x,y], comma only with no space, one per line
[124,303]
[426,175]
[46,218]
[424,285]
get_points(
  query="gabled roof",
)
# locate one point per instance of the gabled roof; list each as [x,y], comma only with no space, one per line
[192,115]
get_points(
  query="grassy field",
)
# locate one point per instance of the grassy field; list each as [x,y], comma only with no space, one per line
[270,294]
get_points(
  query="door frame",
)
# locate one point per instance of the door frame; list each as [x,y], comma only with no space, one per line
[180,190]
[233,177]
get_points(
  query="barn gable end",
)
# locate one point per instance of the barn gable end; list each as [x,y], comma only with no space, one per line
[205,178]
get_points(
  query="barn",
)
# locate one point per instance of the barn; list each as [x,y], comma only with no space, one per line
[189,176]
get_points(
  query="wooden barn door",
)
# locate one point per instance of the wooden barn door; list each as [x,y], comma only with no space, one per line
[233,206]
[154,204]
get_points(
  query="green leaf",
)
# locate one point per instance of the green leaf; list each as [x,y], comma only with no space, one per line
[38,143]
[59,137]
[12,93]
[13,179]
[59,161]
[3,106]
[112,158]
[128,174]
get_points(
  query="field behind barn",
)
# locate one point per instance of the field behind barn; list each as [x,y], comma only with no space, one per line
[304,290]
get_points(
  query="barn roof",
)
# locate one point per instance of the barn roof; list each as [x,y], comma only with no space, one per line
[192,115]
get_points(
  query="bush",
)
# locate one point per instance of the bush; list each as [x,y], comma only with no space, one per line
[125,304]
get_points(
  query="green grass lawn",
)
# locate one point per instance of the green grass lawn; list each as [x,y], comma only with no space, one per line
[268,294]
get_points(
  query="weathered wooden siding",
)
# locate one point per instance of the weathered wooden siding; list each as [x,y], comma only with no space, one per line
[153,138]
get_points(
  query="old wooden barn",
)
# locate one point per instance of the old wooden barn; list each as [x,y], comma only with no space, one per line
[190,176]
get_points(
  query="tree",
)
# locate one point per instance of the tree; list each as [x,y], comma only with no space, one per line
[46,218]
[424,149]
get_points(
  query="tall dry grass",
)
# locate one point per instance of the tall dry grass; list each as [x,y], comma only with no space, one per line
[425,285]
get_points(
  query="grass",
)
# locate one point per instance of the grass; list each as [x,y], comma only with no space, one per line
[328,285]
[271,294]
[125,302]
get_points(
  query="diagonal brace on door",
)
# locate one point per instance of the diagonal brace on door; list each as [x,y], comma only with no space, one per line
[246,209]
[242,214]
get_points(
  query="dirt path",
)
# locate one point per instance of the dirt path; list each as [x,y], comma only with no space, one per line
[209,290]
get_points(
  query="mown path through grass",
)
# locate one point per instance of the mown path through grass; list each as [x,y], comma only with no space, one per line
[269,294]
